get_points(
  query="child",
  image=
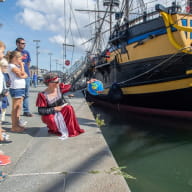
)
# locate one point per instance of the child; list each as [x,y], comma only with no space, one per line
[17,75]
[3,136]
[5,102]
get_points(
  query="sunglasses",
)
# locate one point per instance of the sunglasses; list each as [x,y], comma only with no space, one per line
[22,43]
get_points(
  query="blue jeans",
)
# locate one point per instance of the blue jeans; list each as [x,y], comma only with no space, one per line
[26,98]
[17,93]
[35,83]
[0,112]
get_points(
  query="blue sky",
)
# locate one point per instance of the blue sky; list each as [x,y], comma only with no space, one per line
[44,20]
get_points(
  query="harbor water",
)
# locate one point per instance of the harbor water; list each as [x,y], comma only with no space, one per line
[157,151]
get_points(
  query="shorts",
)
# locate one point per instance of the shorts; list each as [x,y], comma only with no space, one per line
[17,93]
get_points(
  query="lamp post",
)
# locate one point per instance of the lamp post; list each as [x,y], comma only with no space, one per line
[37,53]
[64,56]
[56,61]
[64,53]
[50,54]
[1,1]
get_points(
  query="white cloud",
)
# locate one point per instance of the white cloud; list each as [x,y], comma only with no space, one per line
[53,13]
[48,15]
[32,19]
[57,39]
[46,6]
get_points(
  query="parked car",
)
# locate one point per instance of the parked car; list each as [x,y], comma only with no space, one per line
[40,79]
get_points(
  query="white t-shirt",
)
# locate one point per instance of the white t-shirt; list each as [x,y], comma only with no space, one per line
[1,81]
[16,82]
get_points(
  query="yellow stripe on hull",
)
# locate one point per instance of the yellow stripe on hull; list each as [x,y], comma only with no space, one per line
[156,87]
[159,87]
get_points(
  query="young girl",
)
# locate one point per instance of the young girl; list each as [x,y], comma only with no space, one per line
[3,136]
[5,102]
[17,88]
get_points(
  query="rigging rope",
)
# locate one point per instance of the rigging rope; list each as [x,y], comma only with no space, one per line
[69,30]
[71,8]
[161,63]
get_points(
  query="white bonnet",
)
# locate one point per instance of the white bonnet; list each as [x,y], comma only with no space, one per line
[3,62]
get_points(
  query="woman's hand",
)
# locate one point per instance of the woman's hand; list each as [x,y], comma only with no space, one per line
[21,63]
[91,81]
[58,108]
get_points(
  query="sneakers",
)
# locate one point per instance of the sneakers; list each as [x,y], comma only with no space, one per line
[4,139]
[5,136]
[27,114]
[22,123]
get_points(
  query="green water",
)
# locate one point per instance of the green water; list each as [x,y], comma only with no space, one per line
[157,151]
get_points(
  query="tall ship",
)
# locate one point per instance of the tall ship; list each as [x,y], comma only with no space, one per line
[147,62]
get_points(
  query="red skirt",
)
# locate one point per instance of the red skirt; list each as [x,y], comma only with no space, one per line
[70,120]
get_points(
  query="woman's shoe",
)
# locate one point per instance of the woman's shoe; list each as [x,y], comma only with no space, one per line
[2,157]
[2,176]
[4,138]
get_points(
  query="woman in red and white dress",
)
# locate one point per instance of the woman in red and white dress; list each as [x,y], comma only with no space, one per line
[55,112]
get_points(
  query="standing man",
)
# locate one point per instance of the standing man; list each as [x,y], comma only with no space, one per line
[20,43]
[35,79]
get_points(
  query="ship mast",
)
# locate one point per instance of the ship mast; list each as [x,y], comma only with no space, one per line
[142,5]
[98,30]
[99,24]
[110,4]
[130,5]
[127,9]
[97,39]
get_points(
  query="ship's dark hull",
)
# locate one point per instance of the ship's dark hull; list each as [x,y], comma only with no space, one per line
[164,112]
[172,100]
[175,97]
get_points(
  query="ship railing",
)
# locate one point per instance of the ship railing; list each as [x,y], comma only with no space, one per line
[121,31]
[144,18]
